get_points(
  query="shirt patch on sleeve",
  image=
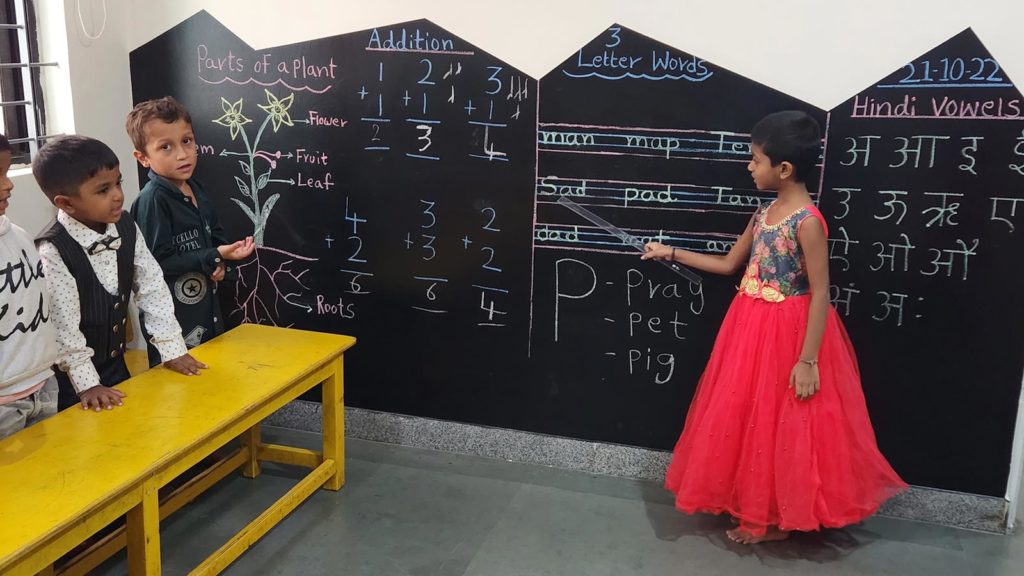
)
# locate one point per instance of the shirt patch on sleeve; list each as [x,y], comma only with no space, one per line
[190,288]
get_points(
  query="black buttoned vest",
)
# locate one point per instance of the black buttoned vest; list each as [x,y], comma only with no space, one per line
[104,316]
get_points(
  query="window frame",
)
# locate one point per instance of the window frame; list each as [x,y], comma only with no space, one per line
[22,109]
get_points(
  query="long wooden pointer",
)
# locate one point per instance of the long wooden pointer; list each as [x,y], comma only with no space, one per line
[627,238]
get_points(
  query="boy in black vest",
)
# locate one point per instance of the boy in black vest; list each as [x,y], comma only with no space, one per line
[93,259]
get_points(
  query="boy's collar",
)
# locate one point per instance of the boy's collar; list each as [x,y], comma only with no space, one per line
[80,232]
[164,182]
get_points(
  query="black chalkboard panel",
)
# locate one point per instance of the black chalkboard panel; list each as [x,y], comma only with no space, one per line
[392,171]
[924,173]
[402,184]
[656,141]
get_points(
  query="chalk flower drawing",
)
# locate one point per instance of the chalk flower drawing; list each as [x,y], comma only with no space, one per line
[278,109]
[232,117]
[250,187]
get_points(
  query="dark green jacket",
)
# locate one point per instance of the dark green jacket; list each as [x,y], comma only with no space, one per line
[184,240]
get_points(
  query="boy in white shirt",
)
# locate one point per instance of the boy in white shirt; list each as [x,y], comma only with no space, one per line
[93,257]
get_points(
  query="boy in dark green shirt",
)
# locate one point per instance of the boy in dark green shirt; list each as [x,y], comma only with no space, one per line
[178,221]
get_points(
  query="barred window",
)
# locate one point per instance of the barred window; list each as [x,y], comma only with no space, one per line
[22,114]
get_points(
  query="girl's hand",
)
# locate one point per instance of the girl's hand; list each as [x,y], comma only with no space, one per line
[656,250]
[804,378]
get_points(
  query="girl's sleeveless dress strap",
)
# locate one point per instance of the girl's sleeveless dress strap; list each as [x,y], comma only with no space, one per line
[813,211]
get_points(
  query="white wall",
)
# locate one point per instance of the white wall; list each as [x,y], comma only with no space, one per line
[822,51]
[89,94]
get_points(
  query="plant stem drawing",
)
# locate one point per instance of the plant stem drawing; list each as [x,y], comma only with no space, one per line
[273,277]
[276,115]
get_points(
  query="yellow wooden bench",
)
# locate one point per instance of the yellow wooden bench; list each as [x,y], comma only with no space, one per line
[67,477]
[137,361]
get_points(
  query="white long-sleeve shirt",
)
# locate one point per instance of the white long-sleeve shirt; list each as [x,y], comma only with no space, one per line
[151,295]
[28,341]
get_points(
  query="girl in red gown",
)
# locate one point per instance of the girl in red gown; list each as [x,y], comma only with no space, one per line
[778,434]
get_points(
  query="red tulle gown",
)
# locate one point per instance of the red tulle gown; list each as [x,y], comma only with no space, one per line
[749,447]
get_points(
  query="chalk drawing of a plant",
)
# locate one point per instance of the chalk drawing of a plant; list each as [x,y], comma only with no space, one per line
[276,115]
[273,278]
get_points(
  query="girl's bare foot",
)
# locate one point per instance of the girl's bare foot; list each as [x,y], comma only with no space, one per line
[742,536]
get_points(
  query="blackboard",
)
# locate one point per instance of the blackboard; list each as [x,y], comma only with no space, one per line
[656,141]
[924,173]
[399,185]
[405,193]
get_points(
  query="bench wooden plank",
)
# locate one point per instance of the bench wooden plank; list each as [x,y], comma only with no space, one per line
[87,560]
[91,466]
[333,403]
[251,440]
[248,536]
[143,528]
[290,455]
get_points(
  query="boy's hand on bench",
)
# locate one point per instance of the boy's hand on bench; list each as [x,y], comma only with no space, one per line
[99,397]
[186,365]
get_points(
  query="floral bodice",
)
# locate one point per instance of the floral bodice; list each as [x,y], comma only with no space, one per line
[777,269]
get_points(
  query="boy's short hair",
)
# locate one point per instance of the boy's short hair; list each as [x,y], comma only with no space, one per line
[165,109]
[790,136]
[66,162]
[5,144]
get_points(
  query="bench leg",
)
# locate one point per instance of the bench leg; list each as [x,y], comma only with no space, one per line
[251,439]
[144,534]
[334,423]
